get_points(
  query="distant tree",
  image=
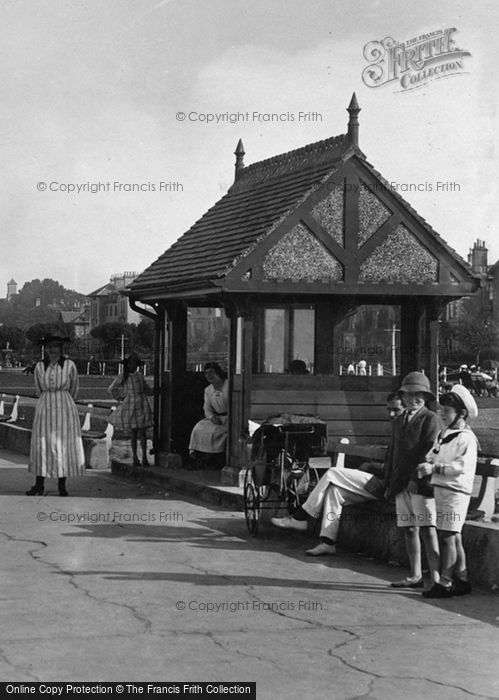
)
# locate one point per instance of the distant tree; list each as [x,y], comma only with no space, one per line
[145,334]
[110,337]
[48,292]
[476,331]
[14,336]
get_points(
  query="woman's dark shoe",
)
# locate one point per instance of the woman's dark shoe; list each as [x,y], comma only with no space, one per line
[62,486]
[35,490]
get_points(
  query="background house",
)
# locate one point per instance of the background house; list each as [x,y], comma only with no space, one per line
[471,324]
[79,319]
[108,305]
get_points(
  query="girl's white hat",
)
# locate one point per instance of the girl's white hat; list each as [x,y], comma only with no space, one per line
[467,399]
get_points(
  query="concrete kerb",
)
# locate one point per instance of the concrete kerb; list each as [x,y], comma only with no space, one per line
[193,484]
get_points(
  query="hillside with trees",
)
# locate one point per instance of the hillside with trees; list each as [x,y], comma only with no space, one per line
[39,301]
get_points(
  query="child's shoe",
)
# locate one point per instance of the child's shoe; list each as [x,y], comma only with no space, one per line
[438,591]
[460,587]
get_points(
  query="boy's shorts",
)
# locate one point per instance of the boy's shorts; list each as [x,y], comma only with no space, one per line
[452,507]
[415,510]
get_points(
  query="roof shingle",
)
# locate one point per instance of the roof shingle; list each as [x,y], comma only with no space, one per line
[262,195]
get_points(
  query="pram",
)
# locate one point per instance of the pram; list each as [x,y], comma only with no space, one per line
[280,471]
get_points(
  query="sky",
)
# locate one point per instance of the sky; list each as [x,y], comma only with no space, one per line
[92,96]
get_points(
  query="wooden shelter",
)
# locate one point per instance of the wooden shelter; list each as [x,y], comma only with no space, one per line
[298,243]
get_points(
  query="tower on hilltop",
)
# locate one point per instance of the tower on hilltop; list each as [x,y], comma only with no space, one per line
[11,289]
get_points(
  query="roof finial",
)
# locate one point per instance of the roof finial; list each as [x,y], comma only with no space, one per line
[239,153]
[353,123]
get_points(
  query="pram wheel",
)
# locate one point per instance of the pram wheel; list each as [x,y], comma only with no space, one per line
[279,474]
[252,503]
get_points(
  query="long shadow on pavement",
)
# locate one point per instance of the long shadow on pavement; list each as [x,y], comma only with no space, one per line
[230,534]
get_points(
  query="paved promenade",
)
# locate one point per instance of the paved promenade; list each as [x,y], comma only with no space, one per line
[124,582]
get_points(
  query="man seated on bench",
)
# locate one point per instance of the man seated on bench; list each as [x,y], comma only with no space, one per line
[336,489]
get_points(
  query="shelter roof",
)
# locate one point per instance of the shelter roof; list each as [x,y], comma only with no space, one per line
[263,194]
[323,204]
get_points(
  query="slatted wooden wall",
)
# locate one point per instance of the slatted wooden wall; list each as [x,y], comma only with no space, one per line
[358,412]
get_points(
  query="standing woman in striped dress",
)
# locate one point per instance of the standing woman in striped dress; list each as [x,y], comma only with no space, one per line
[56,444]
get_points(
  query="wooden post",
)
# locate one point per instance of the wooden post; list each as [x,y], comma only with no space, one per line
[158,366]
[409,360]
[174,378]
[240,375]
[434,315]
[247,368]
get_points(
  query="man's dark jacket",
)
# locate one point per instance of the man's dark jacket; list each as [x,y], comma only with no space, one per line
[409,445]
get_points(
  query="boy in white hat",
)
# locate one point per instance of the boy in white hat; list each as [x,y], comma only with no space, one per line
[452,465]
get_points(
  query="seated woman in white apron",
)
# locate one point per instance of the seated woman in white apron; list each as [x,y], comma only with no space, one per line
[209,435]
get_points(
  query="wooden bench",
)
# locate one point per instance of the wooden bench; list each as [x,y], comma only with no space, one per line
[10,416]
[487,472]
[97,443]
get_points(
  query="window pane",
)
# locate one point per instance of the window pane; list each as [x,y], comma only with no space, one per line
[207,337]
[303,337]
[369,341]
[273,342]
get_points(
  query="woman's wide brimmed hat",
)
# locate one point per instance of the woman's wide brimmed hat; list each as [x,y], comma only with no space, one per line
[417,381]
[466,399]
[55,333]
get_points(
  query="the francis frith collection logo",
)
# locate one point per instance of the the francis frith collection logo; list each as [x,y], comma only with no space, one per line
[415,62]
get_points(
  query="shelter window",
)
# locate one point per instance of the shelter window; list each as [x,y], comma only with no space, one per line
[207,337]
[288,333]
[369,340]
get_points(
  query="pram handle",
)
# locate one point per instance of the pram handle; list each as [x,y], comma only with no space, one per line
[294,430]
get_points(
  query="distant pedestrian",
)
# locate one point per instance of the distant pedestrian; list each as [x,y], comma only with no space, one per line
[56,446]
[30,369]
[134,413]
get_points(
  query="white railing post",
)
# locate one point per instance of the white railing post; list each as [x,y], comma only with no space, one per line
[86,422]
